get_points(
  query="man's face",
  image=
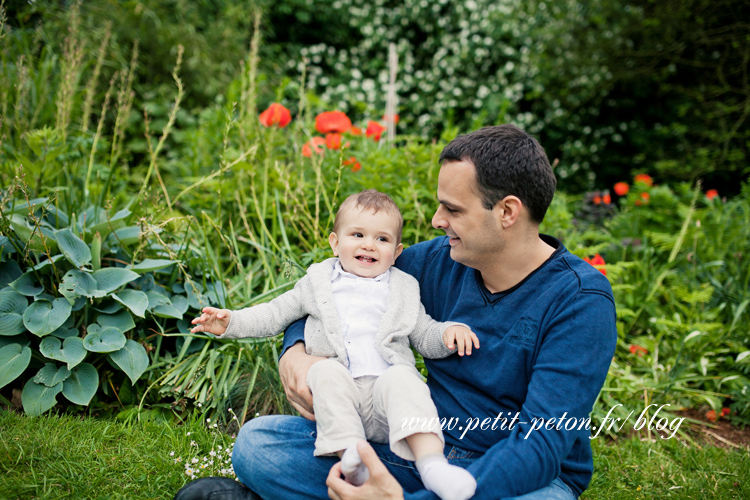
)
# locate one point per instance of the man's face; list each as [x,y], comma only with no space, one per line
[475,233]
[366,241]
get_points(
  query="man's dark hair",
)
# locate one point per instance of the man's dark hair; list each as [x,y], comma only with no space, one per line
[508,161]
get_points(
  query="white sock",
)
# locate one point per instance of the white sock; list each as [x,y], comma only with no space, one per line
[355,472]
[447,481]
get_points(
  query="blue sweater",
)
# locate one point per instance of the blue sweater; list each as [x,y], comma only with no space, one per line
[546,346]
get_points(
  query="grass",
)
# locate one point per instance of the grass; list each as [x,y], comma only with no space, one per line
[70,457]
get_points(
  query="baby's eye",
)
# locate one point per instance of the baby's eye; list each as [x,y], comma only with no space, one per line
[383,238]
[357,235]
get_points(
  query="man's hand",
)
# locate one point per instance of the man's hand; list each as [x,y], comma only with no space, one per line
[461,337]
[293,368]
[380,486]
[212,320]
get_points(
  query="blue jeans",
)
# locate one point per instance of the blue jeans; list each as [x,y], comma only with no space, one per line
[273,456]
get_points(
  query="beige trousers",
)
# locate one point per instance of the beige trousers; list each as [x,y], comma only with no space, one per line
[384,409]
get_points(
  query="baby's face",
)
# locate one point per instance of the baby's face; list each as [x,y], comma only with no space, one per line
[366,241]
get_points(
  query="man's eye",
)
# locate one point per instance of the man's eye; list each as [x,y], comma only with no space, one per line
[450,210]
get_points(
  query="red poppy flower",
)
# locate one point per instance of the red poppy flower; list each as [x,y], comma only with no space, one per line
[711,194]
[333,141]
[332,121]
[643,179]
[645,197]
[355,131]
[711,416]
[354,163]
[597,262]
[395,119]
[315,143]
[597,200]
[276,114]
[607,199]
[639,350]
[725,412]
[622,188]
[374,130]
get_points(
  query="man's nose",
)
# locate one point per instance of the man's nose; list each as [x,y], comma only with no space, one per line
[438,221]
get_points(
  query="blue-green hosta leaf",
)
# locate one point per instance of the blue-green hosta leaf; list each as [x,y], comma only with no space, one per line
[23,208]
[14,358]
[7,247]
[65,333]
[135,300]
[47,262]
[75,250]
[56,217]
[107,339]
[132,359]
[9,271]
[195,296]
[92,215]
[50,375]
[77,283]
[148,265]
[12,306]
[81,386]
[44,317]
[122,320]
[124,236]
[21,340]
[115,222]
[108,306]
[155,299]
[180,303]
[27,285]
[38,239]
[38,398]
[112,278]
[71,352]
[167,312]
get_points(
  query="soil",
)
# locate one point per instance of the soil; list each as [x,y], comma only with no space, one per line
[721,433]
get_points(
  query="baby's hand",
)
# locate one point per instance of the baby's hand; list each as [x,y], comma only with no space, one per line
[212,320]
[463,338]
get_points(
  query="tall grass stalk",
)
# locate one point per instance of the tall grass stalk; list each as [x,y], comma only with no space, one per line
[74,49]
[93,81]
[97,136]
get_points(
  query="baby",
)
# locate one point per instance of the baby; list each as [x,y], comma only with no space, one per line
[363,315]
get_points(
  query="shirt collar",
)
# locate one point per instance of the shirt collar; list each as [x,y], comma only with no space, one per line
[339,271]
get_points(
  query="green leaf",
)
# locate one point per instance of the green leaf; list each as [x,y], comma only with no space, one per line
[135,300]
[156,299]
[50,375]
[38,239]
[14,359]
[72,351]
[112,278]
[109,306]
[23,208]
[82,384]
[115,222]
[5,247]
[148,265]
[65,333]
[44,317]
[124,236]
[47,262]
[108,339]
[9,271]
[38,398]
[12,306]
[96,251]
[21,340]
[132,359]
[122,320]
[27,285]
[167,311]
[75,250]
[77,283]
[180,302]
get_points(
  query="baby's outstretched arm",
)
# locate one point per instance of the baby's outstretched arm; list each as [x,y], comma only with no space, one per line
[212,320]
[461,337]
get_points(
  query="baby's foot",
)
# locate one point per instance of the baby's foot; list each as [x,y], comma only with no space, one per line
[355,472]
[447,481]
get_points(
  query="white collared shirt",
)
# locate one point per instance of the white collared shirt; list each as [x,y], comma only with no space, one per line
[361,304]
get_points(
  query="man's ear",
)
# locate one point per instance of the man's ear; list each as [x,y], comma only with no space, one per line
[333,240]
[399,249]
[508,210]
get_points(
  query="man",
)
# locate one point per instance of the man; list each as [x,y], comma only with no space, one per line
[515,411]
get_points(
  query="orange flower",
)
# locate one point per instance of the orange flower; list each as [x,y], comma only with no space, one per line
[607,199]
[355,131]
[333,141]
[636,349]
[597,200]
[643,179]
[354,163]
[276,114]
[645,197]
[316,143]
[374,130]
[711,416]
[332,121]
[622,188]
[711,194]
[597,262]
[725,412]
[395,119]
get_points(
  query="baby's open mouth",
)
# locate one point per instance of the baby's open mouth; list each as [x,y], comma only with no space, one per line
[364,258]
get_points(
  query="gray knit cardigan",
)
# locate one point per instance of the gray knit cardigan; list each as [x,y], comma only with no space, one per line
[405,321]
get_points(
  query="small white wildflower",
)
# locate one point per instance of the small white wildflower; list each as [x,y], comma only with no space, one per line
[208,420]
[257,414]
[187,434]
[212,453]
[193,443]
[171,453]
[195,460]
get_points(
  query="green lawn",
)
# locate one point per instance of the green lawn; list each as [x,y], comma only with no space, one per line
[71,457]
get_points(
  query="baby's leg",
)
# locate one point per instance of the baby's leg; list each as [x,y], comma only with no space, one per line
[414,424]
